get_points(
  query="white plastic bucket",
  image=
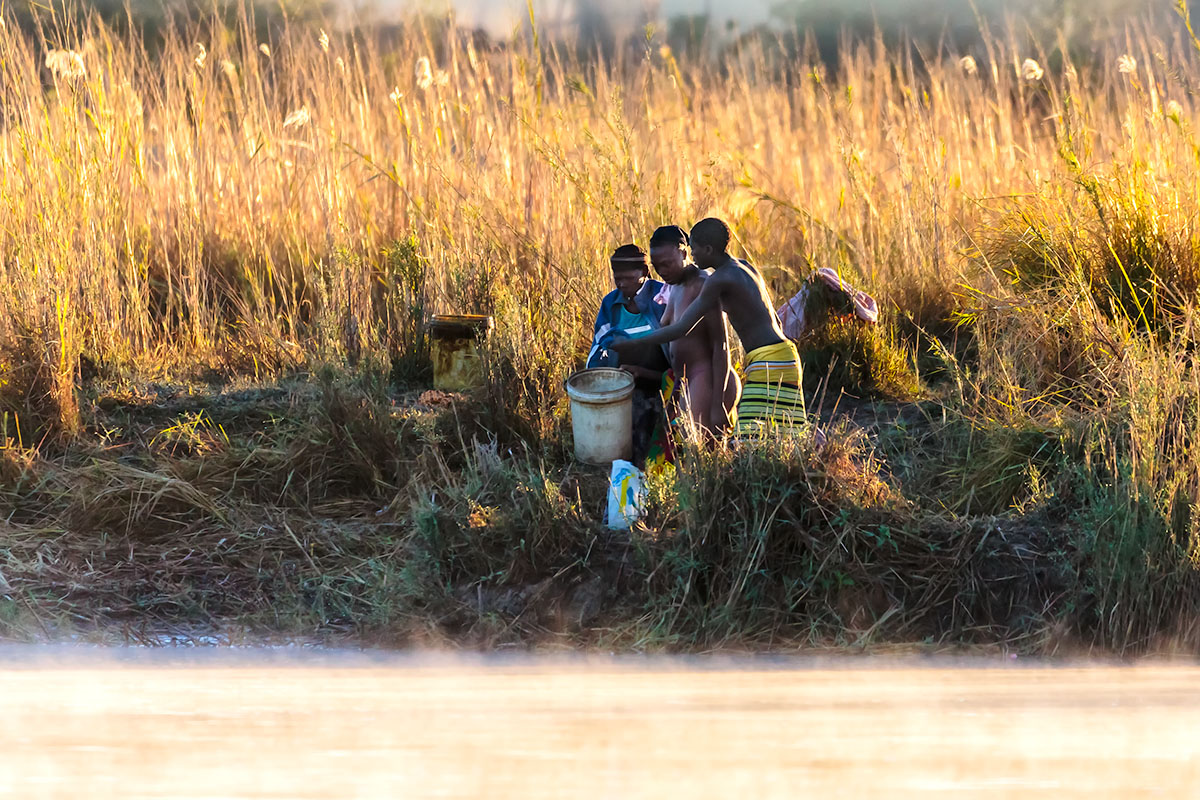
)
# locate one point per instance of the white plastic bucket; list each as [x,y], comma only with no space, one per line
[601,414]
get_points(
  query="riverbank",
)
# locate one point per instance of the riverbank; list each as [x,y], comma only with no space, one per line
[222,246]
[332,508]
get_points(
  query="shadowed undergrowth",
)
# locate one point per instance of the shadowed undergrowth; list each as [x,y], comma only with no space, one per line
[332,508]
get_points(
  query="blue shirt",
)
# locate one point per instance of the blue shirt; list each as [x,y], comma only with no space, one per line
[635,325]
[611,307]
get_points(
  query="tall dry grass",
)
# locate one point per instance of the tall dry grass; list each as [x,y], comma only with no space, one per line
[230,199]
[1028,221]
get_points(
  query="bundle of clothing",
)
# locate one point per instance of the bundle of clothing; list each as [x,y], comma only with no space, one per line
[798,317]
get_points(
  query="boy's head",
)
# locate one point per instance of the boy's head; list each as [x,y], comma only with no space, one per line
[710,241]
[630,269]
[669,253]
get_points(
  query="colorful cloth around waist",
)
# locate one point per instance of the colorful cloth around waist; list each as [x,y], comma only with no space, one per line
[772,393]
[662,451]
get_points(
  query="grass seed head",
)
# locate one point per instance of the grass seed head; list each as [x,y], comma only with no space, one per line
[66,64]
[424,73]
[298,118]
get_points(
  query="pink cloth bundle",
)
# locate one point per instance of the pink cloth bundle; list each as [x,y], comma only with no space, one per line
[791,313]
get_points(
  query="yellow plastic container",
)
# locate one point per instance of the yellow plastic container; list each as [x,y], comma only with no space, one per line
[454,346]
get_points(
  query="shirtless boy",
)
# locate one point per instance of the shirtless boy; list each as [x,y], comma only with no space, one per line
[771,393]
[707,386]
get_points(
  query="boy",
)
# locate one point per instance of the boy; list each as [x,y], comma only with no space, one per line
[633,311]
[707,388]
[771,394]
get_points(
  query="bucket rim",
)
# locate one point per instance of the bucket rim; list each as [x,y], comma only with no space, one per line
[603,397]
[459,322]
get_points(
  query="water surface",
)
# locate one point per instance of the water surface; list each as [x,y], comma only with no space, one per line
[283,726]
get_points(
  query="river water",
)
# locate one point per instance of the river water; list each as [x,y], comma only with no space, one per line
[262,725]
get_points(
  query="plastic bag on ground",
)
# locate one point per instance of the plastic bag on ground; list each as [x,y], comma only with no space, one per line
[624,495]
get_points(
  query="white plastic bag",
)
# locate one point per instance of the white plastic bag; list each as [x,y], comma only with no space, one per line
[624,495]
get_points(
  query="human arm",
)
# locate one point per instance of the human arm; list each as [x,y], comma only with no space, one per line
[642,373]
[721,369]
[597,355]
[709,298]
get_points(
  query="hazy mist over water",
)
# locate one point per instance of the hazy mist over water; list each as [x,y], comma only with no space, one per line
[500,17]
[539,729]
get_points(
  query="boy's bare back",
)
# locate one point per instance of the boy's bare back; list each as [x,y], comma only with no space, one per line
[743,296]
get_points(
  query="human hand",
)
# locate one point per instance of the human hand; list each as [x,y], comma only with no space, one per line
[619,342]
[636,371]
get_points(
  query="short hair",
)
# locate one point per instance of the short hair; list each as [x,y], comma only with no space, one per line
[669,236]
[629,256]
[711,232]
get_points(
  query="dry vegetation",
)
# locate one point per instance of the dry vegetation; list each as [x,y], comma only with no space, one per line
[281,213]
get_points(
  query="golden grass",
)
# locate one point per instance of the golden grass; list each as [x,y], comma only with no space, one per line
[235,193]
[227,203]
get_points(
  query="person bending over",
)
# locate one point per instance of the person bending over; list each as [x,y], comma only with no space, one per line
[633,311]
[706,385]
[771,391]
